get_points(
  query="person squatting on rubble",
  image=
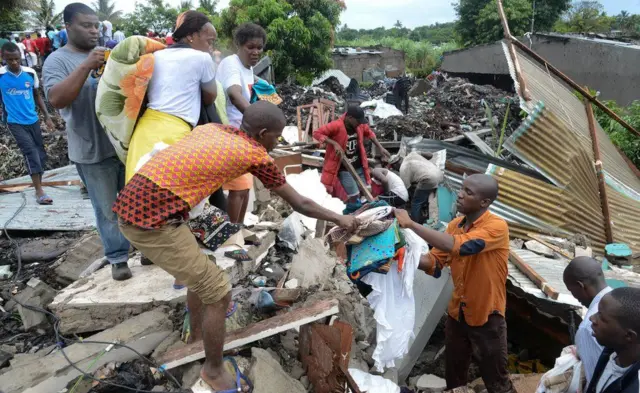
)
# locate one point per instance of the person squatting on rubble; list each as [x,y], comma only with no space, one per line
[418,171]
[71,89]
[345,137]
[20,92]
[476,247]
[616,326]
[235,73]
[153,209]
[183,79]
[395,193]
[584,278]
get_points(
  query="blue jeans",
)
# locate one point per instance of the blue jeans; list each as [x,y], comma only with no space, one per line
[104,180]
[420,197]
[349,183]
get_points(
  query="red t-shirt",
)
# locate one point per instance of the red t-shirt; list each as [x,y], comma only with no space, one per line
[41,43]
[29,45]
[169,40]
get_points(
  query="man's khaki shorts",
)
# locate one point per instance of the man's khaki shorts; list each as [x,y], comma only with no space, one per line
[174,249]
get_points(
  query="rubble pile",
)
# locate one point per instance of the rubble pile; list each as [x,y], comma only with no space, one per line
[454,105]
[294,96]
[55,144]
[333,85]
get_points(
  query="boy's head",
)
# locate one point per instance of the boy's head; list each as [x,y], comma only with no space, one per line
[11,55]
[616,325]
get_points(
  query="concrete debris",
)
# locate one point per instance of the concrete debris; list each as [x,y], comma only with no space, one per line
[43,250]
[291,284]
[172,342]
[52,373]
[98,302]
[584,252]
[431,384]
[5,357]
[191,373]
[312,265]
[539,248]
[391,374]
[5,272]
[268,376]
[35,294]
[78,258]
[420,87]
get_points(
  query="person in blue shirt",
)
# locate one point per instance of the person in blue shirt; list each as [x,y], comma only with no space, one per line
[19,88]
[54,36]
[62,36]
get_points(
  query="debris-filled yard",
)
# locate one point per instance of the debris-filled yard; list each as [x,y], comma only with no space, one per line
[300,324]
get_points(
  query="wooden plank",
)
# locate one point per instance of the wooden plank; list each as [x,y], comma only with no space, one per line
[555,248]
[459,138]
[314,161]
[533,275]
[254,332]
[361,186]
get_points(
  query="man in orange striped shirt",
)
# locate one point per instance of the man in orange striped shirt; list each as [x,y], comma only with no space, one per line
[476,248]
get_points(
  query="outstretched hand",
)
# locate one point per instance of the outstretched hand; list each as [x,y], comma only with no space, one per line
[349,223]
[403,218]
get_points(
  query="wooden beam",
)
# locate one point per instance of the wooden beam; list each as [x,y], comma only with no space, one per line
[555,248]
[254,332]
[533,275]
[512,53]
[602,185]
[361,186]
[22,186]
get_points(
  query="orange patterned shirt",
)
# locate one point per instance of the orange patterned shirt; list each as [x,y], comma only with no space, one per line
[179,177]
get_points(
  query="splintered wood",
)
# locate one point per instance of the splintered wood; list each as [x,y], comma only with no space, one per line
[254,332]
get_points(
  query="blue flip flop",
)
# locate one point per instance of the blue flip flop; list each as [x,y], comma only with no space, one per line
[44,200]
[239,378]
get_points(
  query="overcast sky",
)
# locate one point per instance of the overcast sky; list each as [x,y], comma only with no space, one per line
[375,13]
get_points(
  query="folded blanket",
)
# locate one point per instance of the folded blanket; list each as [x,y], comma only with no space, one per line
[122,89]
[263,91]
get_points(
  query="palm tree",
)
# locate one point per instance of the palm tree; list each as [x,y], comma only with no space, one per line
[45,15]
[209,6]
[186,5]
[24,5]
[106,10]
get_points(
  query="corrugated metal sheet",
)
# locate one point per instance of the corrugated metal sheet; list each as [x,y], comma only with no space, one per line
[549,269]
[341,76]
[69,211]
[560,100]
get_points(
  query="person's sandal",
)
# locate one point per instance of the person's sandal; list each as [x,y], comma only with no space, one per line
[240,377]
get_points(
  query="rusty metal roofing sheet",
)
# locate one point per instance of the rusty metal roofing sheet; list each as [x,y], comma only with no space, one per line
[560,100]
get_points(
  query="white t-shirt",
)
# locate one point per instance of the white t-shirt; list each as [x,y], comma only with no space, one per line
[396,185]
[612,372]
[118,36]
[109,32]
[22,49]
[232,72]
[175,84]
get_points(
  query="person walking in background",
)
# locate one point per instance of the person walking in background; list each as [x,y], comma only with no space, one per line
[44,48]
[235,73]
[63,37]
[54,37]
[107,31]
[20,45]
[71,89]
[20,92]
[31,50]
[476,247]
[118,36]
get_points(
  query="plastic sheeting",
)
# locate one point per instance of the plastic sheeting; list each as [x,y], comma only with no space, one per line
[373,383]
[382,109]
[308,185]
[394,305]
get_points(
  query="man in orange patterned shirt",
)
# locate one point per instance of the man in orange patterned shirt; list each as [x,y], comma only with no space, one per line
[154,206]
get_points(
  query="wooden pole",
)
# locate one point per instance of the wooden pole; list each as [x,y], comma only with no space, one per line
[604,201]
[512,52]
[533,275]
[361,186]
[573,84]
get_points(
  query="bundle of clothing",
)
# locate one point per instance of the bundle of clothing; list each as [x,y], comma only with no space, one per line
[382,260]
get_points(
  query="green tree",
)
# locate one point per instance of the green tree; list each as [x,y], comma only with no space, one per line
[209,6]
[477,25]
[106,10]
[398,24]
[12,20]
[586,17]
[299,32]
[185,5]
[151,15]
[45,15]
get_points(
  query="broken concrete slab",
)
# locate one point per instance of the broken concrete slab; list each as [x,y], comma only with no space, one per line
[52,373]
[254,332]
[78,258]
[420,87]
[35,294]
[539,248]
[44,250]
[98,302]
[584,252]
[431,383]
[268,376]
[5,272]
[312,265]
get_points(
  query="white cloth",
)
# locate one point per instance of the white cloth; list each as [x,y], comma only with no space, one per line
[372,383]
[232,72]
[612,372]
[417,169]
[396,185]
[175,84]
[109,32]
[22,49]
[588,348]
[393,304]
[565,376]
[118,36]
